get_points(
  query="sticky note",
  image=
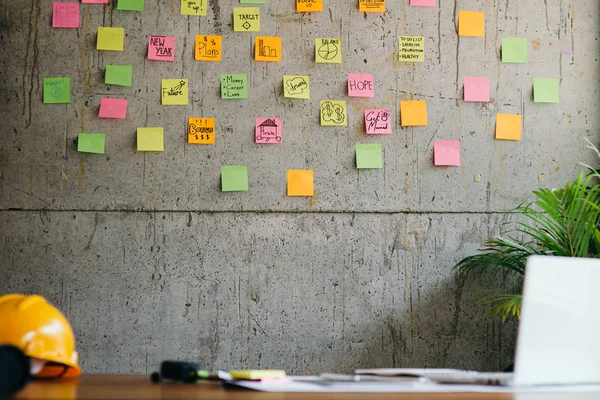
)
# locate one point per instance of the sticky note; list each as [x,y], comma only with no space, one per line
[333,113]
[361,85]
[267,48]
[130,5]
[201,130]
[378,122]
[234,178]
[161,48]
[90,143]
[300,182]
[545,90]
[369,156]
[422,3]
[57,90]
[471,23]
[110,39]
[150,139]
[118,75]
[509,126]
[175,92]
[309,5]
[194,7]
[208,48]
[296,87]
[477,88]
[246,19]
[371,5]
[252,1]
[94,1]
[328,50]
[514,50]
[411,48]
[268,130]
[446,153]
[234,86]
[113,108]
[65,15]
[413,113]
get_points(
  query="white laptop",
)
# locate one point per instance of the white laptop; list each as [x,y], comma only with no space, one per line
[558,338]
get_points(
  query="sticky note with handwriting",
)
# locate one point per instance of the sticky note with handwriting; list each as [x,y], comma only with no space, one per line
[471,23]
[300,182]
[446,153]
[413,113]
[194,7]
[234,178]
[208,48]
[57,90]
[309,5]
[90,143]
[411,48]
[65,15]
[112,39]
[130,5]
[333,113]
[161,48]
[94,1]
[361,85]
[369,156]
[120,75]
[296,87]
[514,50]
[150,139]
[246,19]
[113,108]
[545,90]
[328,50]
[234,86]
[174,92]
[378,122]
[201,131]
[371,5]
[422,3]
[509,126]
[477,88]
[268,130]
[267,48]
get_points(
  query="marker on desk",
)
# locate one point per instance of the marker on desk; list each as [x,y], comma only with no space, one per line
[178,371]
[257,374]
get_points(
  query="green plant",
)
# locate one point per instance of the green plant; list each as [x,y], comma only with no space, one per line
[560,222]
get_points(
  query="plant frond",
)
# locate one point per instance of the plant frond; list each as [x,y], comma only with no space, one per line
[506,305]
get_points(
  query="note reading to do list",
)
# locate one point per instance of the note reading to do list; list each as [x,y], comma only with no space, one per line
[65,15]
[309,5]
[371,5]
[361,85]
[174,92]
[201,131]
[378,122]
[208,48]
[234,86]
[57,90]
[296,87]
[161,48]
[328,50]
[411,48]
[246,19]
[194,7]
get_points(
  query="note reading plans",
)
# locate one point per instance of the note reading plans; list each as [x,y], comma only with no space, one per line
[201,131]
[234,178]
[194,7]
[90,143]
[175,92]
[446,153]
[296,87]
[411,48]
[234,86]
[161,48]
[509,126]
[110,39]
[119,75]
[246,19]
[369,156]
[150,139]
[65,15]
[300,182]
[208,48]
[57,90]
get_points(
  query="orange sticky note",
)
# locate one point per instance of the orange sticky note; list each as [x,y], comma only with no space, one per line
[509,126]
[471,23]
[413,113]
[371,5]
[201,131]
[209,48]
[267,48]
[309,5]
[300,182]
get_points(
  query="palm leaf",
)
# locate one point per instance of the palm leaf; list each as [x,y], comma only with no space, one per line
[503,304]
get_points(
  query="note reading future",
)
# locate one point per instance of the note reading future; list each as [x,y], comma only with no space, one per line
[174,92]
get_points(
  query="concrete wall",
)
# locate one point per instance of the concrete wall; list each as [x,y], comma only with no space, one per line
[149,260]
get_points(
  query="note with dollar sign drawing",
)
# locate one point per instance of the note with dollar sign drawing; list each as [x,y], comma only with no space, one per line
[333,113]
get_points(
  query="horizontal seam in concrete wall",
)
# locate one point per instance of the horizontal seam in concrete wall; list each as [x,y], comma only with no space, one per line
[19,210]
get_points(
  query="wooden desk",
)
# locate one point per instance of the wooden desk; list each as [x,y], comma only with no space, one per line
[140,387]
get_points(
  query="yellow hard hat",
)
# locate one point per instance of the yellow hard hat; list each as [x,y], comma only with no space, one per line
[41,331]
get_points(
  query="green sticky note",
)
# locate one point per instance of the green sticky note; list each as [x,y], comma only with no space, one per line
[252,1]
[514,50]
[90,143]
[131,5]
[234,86]
[57,90]
[118,75]
[545,90]
[369,156]
[150,139]
[234,178]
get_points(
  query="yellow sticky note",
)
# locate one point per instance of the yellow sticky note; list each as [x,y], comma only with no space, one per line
[309,5]
[334,113]
[411,48]
[174,92]
[371,5]
[246,19]
[201,130]
[471,23]
[209,48]
[194,7]
[300,183]
[328,50]
[110,39]
[267,48]
[509,126]
[413,113]
[296,86]
[150,139]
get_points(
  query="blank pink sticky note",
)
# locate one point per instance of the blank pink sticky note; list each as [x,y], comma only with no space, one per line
[268,130]
[113,108]
[477,88]
[378,122]
[422,3]
[94,1]
[65,15]
[361,85]
[161,48]
[446,153]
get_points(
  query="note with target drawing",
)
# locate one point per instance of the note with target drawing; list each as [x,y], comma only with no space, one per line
[57,90]
[328,51]
[201,131]
[333,113]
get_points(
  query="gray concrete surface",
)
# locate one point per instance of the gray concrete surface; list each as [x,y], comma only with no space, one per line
[149,260]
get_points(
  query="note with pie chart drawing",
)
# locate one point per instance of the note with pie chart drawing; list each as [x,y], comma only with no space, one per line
[328,51]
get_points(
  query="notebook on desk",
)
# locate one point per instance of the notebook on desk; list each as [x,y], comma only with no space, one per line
[557,340]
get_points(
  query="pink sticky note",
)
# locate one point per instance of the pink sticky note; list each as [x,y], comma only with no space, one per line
[378,122]
[361,85]
[113,108]
[268,130]
[446,152]
[161,48]
[65,15]
[477,88]
[423,3]
[94,1]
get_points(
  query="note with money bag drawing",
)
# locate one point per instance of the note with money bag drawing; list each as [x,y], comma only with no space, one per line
[333,113]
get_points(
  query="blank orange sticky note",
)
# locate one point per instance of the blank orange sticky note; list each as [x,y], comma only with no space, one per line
[471,23]
[300,182]
[509,126]
[413,113]
[267,48]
